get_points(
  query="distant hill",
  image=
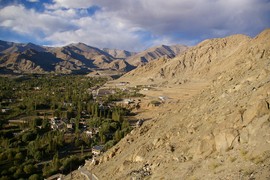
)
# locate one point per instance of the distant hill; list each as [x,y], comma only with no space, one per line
[73,58]
[11,47]
[119,54]
[154,53]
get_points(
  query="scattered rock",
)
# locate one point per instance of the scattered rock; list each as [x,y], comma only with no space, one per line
[141,173]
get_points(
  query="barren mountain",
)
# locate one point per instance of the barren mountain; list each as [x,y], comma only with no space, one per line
[154,53]
[31,58]
[73,58]
[10,47]
[214,122]
[29,61]
[119,54]
[120,65]
[83,55]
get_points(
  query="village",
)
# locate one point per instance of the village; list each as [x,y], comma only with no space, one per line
[85,120]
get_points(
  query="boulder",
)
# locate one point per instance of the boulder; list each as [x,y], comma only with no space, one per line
[225,139]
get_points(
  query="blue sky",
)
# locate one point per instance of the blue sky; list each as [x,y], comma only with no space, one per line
[129,24]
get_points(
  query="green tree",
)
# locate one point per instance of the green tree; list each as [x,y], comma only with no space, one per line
[103,138]
[19,172]
[125,125]
[35,177]
[45,124]
[116,115]
[117,135]
[29,169]
[5,178]
[28,136]
[82,150]
[77,122]
[19,157]
[38,155]
[56,162]
[12,169]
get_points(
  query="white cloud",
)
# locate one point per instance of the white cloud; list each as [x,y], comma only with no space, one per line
[119,23]
[70,4]
[99,32]
[192,17]
[25,21]
[60,13]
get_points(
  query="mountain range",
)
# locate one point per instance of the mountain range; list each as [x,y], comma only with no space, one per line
[76,58]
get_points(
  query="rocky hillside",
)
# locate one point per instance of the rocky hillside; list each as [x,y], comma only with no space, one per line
[119,54]
[154,53]
[29,60]
[202,61]
[73,58]
[11,47]
[215,122]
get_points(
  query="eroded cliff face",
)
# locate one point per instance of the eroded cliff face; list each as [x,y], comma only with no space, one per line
[220,132]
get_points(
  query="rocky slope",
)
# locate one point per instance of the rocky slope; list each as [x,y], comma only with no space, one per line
[154,53]
[218,130]
[119,54]
[29,61]
[10,47]
[201,61]
[73,58]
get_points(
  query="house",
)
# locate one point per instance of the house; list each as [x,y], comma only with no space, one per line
[5,110]
[122,83]
[37,88]
[67,104]
[57,123]
[124,102]
[97,150]
[92,131]
[70,125]
[89,133]
[104,92]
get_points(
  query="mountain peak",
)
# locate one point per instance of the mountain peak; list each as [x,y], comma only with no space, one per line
[118,54]
[78,44]
[264,35]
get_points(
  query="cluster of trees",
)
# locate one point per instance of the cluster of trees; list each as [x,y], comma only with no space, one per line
[64,165]
[111,122]
[21,156]
[27,95]
[24,151]
[32,149]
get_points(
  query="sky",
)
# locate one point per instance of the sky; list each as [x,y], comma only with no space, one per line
[132,25]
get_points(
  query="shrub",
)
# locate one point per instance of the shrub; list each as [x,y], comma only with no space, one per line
[29,169]
[35,177]
[155,103]
[5,178]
